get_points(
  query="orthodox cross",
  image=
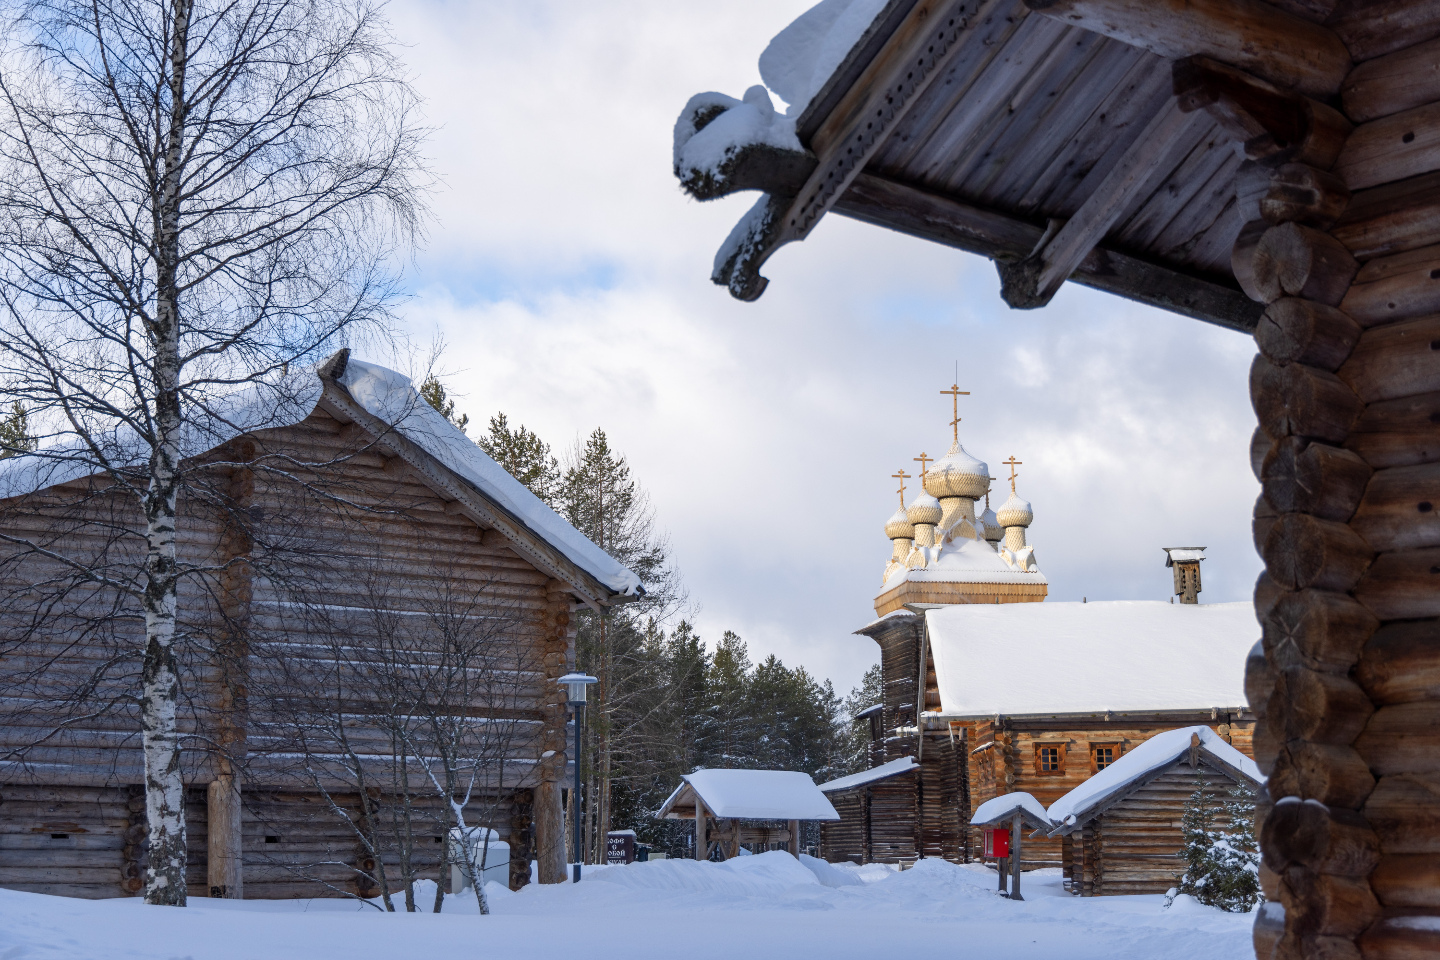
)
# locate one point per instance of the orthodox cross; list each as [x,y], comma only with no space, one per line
[922,460]
[955,394]
[902,476]
[1012,463]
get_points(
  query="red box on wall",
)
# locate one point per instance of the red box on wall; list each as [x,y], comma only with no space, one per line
[997,843]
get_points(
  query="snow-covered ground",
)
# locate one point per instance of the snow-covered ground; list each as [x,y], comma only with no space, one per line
[753,908]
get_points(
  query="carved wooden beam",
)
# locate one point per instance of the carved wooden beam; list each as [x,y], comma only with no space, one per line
[1250,34]
[1033,281]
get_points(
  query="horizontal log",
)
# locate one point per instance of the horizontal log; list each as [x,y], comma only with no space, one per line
[1314,478]
[1397,433]
[1303,331]
[1317,707]
[1395,360]
[1259,680]
[1377,27]
[1299,400]
[1298,261]
[1392,218]
[1401,938]
[1320,629]
[1243,259]
[1390,84]
[1402,585]
[1398,511]
[1303,552]
[1393,148]
[1409,880]
[1260,444]
[1327,906]
[1266,746]
[1267,594]
[1402,738]
[1397,287]
[1311,835]
[1336,776]
[1404,812]
[1401,663]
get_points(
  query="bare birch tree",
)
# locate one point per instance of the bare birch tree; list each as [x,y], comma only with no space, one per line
[194,195]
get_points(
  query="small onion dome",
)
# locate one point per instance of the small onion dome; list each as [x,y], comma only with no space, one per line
[993,531]
[957,474]
[1015,513]
[899,527]
[924,509]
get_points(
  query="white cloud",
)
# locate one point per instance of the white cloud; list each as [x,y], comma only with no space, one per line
[570,278]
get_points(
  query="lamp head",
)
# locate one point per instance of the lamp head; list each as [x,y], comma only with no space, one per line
[575,684]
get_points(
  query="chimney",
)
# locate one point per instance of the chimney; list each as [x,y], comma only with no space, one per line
[1185,561]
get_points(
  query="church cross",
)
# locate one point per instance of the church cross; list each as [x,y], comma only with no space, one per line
[1012,463]
[955,394]
[902,476]
[922,460]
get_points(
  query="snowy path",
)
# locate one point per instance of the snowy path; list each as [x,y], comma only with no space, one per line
[756,908]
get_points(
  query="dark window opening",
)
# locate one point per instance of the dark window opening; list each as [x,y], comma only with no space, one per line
[59,836]
[272,839]
[1049,759]
[1104,756]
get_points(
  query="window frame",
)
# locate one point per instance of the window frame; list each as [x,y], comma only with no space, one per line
[1096,745]
[1060,751]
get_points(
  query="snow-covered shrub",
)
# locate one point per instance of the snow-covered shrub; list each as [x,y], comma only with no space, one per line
[1222,867]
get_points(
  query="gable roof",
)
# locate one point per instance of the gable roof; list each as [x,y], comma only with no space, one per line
[1142,764]
[387,405]
[749,795]
[998,811]
[1118,656]
[895,768]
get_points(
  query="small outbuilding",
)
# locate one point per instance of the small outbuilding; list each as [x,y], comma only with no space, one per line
[1004,820]
[736,808]
[876,807]
[1121,829]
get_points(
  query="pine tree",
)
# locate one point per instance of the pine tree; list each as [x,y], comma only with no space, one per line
[15,437]
[1222,868]
[434,393]
[855,736]
[524,456]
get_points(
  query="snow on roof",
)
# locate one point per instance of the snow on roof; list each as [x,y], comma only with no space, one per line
[385,394]
[1180,554]
[873,708]
[802,57]
[752,795]
[392,397]
[883,772]
[1003,807]
[1154,754]
[963,560]
[1123,655]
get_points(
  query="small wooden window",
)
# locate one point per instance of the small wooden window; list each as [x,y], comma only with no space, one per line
[1104,754]
[1049,759]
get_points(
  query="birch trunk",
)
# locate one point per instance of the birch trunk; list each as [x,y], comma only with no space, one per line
[164,788]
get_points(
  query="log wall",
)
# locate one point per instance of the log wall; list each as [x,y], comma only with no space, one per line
[354,534]
[1347,393]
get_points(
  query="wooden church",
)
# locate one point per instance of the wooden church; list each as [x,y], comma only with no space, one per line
[357,526]
[967,718]
[1270,166]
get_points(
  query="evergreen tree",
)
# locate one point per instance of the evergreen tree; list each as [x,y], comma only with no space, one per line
[15,436]
[434,393]
[855,736]
[524,456]
[1222,867]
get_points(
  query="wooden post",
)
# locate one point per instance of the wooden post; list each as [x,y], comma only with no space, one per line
[224,864]
[795,839]
[1016,824]
[549,833]
[1002,865]
[701,842]
[555,637]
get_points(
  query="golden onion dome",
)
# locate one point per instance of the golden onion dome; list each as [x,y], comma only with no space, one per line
[957,474]
[924,509]
[899,527]
[1015,512]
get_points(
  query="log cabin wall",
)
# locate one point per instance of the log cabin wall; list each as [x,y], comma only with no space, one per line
[876,825]
[300,554]
[1345,390]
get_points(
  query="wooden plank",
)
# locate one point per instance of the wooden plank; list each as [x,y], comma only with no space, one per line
[1249,34]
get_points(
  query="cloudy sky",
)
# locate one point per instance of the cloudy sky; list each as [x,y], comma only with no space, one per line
[569,277]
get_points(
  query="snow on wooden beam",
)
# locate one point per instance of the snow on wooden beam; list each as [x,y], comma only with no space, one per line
[1249,34]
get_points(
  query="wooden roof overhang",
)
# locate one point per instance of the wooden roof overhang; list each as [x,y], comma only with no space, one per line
[1096,140]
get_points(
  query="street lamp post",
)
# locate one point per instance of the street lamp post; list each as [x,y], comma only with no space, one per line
[575,684]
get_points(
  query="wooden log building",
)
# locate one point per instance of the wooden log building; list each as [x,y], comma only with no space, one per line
[1120,830]
[355,503]
[757,810]
[1272,166]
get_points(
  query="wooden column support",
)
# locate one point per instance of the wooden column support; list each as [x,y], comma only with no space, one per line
[225,874]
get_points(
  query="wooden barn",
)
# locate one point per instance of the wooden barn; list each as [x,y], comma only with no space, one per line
[1271,166]
[1121,829]
[877,814]
[370,595]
